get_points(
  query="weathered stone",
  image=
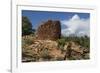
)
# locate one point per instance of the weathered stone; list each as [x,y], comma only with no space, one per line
[49,30]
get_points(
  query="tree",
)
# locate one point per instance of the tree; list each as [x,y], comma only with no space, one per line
[26,26]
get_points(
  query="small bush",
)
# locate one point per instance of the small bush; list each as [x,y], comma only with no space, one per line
[45,54]
[26,41]
[61,42]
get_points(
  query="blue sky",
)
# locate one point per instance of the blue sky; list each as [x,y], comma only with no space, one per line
[36,17]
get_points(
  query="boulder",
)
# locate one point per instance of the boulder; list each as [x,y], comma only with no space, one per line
[50,30]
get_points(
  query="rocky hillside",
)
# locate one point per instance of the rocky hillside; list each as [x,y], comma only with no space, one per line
[48,45]
[48,50]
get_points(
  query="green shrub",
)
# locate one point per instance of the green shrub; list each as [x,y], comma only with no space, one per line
[45,54]
[26,41]
[61,42]
[84,41]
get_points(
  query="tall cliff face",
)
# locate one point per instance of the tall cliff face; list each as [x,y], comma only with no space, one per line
[49,30]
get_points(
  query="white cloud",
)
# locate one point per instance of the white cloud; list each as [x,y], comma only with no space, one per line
[76,26]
